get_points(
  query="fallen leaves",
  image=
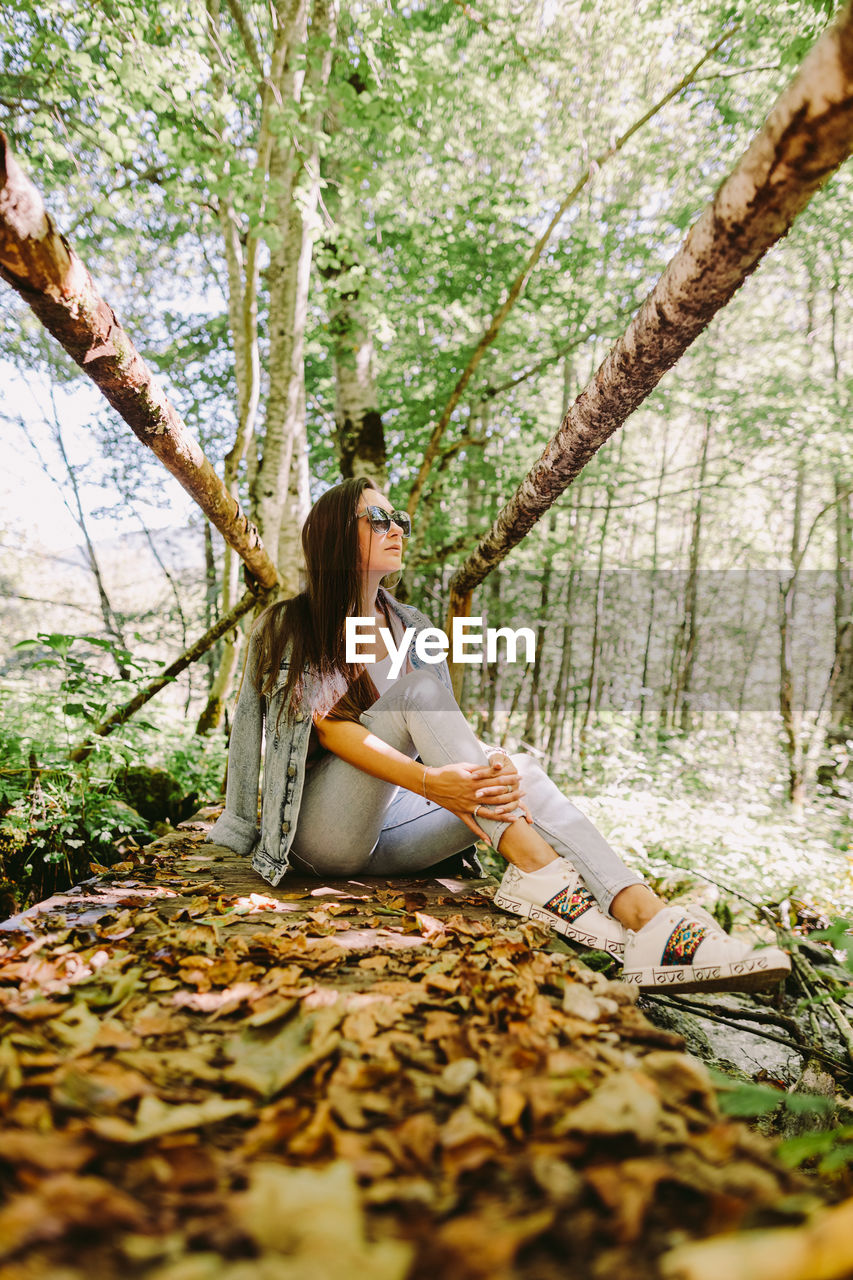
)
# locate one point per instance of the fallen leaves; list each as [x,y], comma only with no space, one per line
[366,1081]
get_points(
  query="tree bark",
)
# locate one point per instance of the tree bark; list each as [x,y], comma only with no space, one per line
[789,709]
[683,708]
[650,628]
[43,268]
[243,268]
[807,135]
[841,702]
[289,270]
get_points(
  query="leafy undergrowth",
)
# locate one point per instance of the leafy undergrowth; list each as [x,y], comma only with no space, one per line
[374,1079]
[713,804]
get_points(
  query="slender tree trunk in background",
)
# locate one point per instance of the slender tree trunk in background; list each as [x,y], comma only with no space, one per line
[43,268]
[840,730]
[592,671]
[532,719]
[243,267]
[288,275]
[211,595]
[789,708]
[556,733]
[841,713]
[598,611]
[683,687]
[359,433]
[755,629]
[650,628]
[666,716]
[513,706]
[807,135]
[297,506]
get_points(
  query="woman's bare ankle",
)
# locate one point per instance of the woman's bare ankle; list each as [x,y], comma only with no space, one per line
[524,847]
[635,906]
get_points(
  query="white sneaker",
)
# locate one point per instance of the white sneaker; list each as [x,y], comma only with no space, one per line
[562,901]
[685,950]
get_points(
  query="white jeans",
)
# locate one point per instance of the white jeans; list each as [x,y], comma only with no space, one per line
[352,824]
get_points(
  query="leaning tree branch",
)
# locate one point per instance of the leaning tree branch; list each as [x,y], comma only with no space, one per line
[43,268]
[118,717]
[807,135]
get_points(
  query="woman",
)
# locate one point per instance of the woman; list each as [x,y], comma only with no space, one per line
[369,775]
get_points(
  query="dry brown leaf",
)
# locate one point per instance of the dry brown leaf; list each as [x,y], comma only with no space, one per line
[313,1219]
[429,925]
[63,1202]
[468,1141]
[266,1059]
[628,1189]
[55,1152]
[484,1246]
[511,1103]
[155,1118]
[91,1087]
[820,1250]
[456,1077]
[624,1102]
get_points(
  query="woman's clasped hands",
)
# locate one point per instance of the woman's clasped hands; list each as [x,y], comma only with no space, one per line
[473,791]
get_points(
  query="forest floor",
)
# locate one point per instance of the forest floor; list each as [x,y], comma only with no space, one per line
[203,1078]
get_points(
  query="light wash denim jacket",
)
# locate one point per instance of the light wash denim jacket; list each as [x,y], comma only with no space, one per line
[285,752]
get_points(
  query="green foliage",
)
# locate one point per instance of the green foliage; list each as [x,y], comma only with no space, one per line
[832,1149]
[748,1100]
[57,818]
[840,937]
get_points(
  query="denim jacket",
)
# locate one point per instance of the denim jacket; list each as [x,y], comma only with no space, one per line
[285,752]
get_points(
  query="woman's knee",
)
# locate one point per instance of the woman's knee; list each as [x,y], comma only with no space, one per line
[426,690]
[527,765]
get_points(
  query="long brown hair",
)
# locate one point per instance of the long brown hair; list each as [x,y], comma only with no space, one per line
[313,622]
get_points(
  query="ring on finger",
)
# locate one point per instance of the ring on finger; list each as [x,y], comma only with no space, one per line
[476,809]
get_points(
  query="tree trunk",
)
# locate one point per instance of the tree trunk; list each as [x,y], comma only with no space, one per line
[294,177]
[532,719]
[841,714]
[807,135]
[650,628]
[598,610]
[788,703]
[360,434]
[683,687]
[37,262]
[840,731]
[210,597]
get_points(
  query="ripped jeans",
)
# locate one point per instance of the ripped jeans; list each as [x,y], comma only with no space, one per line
[352,824]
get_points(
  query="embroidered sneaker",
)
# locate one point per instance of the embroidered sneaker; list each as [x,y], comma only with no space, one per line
[685,950]
[562,901]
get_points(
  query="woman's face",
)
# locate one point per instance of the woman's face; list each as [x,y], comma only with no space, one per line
[378,552]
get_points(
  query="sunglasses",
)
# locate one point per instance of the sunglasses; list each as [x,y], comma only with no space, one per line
[380,520]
